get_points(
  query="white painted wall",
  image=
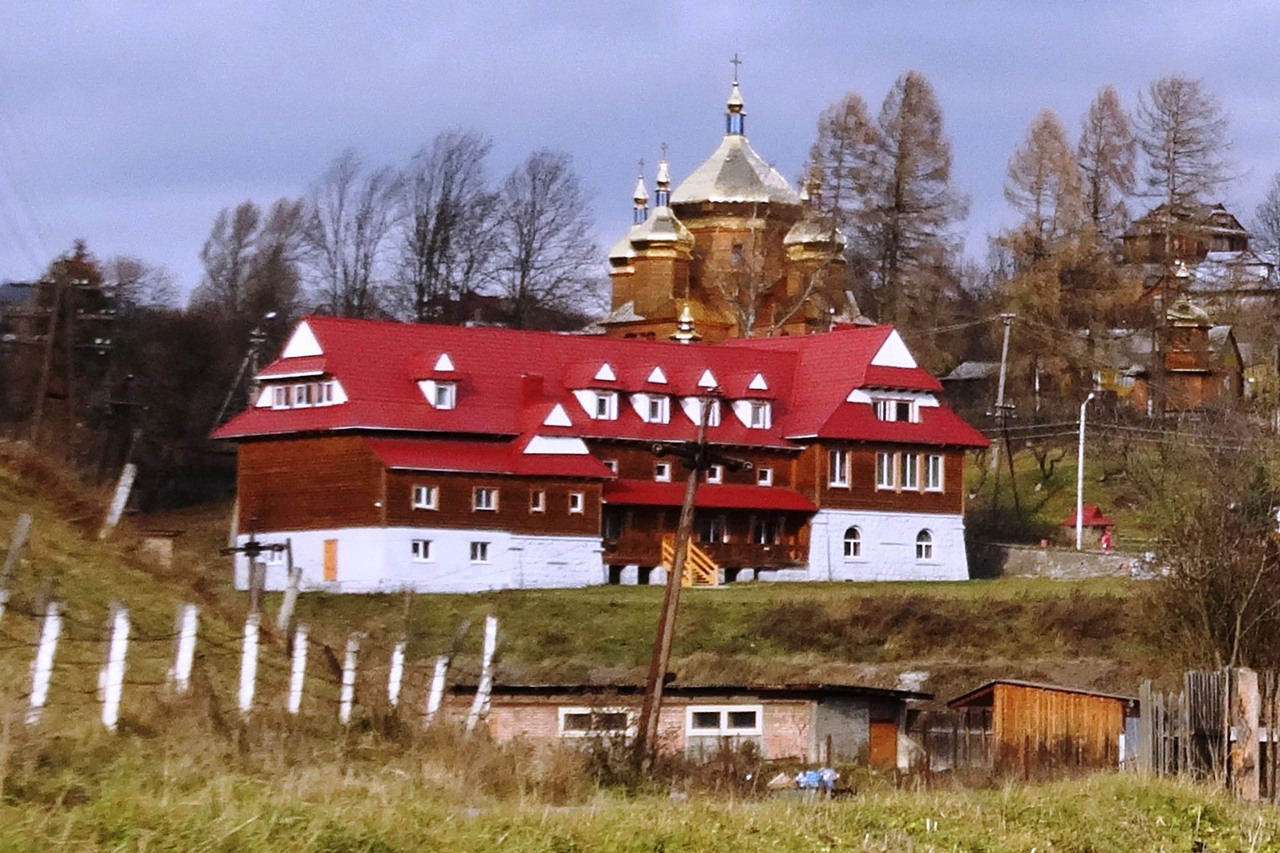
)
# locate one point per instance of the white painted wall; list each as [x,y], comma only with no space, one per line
[381,560]
[888,547]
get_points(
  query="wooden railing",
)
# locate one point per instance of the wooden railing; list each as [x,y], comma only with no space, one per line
[639,549]
[699,568]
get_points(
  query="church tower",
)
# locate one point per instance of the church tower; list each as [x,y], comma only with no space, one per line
[734,246]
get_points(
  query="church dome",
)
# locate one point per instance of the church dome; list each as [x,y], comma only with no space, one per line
[735,173]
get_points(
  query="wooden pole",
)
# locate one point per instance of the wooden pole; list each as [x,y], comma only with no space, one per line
[1244,767]
[19,539]
[651,708]
[46,366]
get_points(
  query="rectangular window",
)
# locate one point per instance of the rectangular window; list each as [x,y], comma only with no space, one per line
[576,503]
[893,410]
[606,406]
[884,471]
[760,415]
[715,474]
[910,471]
[595,722]
[721,720]
[764,476]
[446,396]
[301,395]
[280,397]
[711,409]
[479,552]
[537,501]
[485,498]
[933,473]
[422,550]
[662,472]
[424,497]
[838,468]
[324,394]
[659,413]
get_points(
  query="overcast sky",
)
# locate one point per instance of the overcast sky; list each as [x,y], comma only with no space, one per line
[131,124]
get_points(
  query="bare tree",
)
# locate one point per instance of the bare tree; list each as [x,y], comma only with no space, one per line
[843,158]
[349,217]
[135,283]
[447,237]
[226,257]
[546,260]
[1266,224]
[274,282]
[1107,153]
[1183,133]
[912,206]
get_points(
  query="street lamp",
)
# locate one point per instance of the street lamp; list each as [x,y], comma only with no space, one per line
[1080,478]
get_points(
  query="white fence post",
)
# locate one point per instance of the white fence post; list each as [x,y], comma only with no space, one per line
[111,681]
[249,662]
[480,707]
[298,669]
[436,696]
[185,649]
[42,666]
[348,695]
[396,676]
[293,577]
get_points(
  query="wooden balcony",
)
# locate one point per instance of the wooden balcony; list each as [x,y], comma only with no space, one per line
[646,550]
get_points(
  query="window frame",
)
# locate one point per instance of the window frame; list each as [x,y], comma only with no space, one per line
[842,481]
[764,476]
[421,550]
[628,731]
[760,415]
[909,472]
[715,474]
[886,470]
[280,396]
[723,728]
[480,551]
[537,500]
[445,395]
[662,472]
[852,542]
[432,500]
[935,463]
[606,408]
[659,409]
[577,503]
[924,546]
[479,505]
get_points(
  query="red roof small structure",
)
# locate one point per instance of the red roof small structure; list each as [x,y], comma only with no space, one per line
[1093,517]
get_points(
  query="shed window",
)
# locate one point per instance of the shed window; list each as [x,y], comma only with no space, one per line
[705,720]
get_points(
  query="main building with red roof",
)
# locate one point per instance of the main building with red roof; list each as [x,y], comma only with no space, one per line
[452,459]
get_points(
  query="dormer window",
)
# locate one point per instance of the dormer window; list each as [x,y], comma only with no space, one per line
[446,395]
[895,410]
[760,415]
[606,406]
[659,409]
[280,397]
[305,394]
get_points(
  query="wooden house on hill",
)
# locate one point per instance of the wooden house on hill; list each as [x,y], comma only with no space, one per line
[456,459]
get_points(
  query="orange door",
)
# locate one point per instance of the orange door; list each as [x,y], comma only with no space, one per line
[330,560]
[884,745]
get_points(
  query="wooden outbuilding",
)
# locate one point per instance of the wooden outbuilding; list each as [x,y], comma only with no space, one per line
[1039,727]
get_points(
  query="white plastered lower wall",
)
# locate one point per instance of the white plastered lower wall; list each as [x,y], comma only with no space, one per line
[888,550]
[375,559]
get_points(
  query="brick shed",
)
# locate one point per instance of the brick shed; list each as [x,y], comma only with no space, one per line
[805,722]
[1043,726]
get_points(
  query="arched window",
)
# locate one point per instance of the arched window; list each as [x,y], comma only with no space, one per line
[924,545]
[852,543]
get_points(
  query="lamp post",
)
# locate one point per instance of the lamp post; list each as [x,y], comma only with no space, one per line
[1080,478]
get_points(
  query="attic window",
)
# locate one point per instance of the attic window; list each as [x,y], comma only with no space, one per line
[888,409]
[446,395]
[606,406]
[760,415]
[659,409]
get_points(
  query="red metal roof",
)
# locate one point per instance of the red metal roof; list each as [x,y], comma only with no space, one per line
[1093,517]
[711,496]
[486,457]
[508,381]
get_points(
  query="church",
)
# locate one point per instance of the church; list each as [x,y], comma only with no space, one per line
[393,456]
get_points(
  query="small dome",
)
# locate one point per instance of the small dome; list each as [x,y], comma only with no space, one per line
[622,252]
[641,195]
[735,103]
[811,231]
[662,226]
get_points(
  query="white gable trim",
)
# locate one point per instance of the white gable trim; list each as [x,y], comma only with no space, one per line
[894,353]
[758,383]
[658,376]
[444,364]
[605,373]
[707,380]
[302,343]
[542,445]
[557,417]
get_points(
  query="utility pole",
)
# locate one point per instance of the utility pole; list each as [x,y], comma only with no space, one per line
[698,457]
[1001,412]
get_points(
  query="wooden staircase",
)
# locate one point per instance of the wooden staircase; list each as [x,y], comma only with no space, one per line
[699,568]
